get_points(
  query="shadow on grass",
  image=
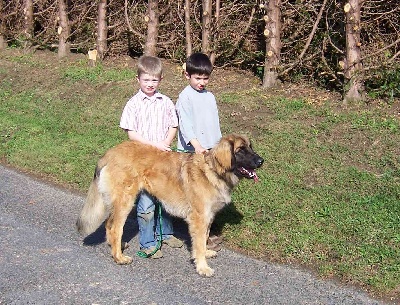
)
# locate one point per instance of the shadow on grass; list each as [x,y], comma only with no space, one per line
[228,215]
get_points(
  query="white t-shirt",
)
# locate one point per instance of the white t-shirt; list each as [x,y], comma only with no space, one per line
[198,118]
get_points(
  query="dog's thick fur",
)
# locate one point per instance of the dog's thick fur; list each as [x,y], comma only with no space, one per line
[190,186]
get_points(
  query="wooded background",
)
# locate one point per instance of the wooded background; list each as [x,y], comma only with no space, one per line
[351,46]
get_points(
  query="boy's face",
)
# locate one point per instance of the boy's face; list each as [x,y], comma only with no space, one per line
[197,81]
[148,83]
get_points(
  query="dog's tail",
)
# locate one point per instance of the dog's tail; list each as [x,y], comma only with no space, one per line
[94,210]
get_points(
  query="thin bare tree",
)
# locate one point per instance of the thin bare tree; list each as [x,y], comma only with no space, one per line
[188,29]
[3,43]
[272,33]
[216,23]
[102,29]
[150,47]
[29,28]
[354,86]
[206,26]
[64,46]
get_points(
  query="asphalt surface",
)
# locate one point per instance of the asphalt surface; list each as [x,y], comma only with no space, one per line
[43,260]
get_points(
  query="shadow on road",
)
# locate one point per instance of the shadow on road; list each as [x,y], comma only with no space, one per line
[228,215]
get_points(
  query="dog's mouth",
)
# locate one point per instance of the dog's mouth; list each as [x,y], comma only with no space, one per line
[248,173]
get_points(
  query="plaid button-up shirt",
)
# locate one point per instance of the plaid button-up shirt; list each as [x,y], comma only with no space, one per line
[151,117]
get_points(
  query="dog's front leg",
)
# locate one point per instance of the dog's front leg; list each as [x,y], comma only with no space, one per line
[198,232]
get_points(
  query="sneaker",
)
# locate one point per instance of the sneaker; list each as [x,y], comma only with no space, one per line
[173,242]
[214,243]
[124,246]
[213,246]
[156,255]
[215,239]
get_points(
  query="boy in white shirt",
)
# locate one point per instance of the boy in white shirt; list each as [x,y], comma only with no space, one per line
[199,128]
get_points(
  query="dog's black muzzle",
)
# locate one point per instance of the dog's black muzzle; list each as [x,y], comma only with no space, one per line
[259,161]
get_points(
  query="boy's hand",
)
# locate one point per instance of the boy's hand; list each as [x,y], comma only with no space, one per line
[200,150]
[162,146]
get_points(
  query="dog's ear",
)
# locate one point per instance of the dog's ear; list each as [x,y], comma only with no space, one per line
[223,154]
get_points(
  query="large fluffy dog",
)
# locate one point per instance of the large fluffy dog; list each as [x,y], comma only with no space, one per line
[191,186]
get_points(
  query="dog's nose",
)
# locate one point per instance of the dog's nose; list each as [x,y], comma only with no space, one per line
[260,161]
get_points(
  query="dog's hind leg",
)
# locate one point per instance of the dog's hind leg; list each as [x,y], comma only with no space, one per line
[198,231]
[115,226]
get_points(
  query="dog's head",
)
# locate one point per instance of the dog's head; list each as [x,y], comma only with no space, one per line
[234,153]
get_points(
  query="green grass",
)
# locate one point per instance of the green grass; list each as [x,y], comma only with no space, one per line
[329,191]
[82,72]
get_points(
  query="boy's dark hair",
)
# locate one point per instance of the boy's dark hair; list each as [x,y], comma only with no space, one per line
[198,63]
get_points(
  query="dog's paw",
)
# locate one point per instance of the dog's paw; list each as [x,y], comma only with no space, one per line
[210,253]
[207,271]
[124,260]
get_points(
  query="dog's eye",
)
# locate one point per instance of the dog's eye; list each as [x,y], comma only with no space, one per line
[240,149]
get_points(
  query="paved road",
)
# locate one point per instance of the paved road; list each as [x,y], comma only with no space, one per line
[44,261]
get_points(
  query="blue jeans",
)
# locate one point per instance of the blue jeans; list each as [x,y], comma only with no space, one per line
[149,226]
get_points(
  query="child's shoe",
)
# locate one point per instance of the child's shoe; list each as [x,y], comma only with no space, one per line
[124,246]
[173,242]
[214,243]
[156,255]
[215,239]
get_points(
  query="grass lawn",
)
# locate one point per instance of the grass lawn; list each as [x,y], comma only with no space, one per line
[329,192]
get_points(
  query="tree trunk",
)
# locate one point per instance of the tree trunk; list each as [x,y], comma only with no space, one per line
[206,24]
[102,29]
[213,54]
[273,43]
[354,86]
[188,30]
[3,43]
[63,30]
[28,15]
[150,47]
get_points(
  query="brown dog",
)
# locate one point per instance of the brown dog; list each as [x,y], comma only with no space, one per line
[190,186]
